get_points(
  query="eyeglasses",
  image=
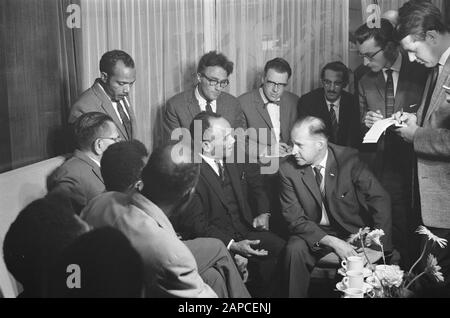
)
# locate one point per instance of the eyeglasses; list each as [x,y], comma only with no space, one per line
[371,56]
[213,82]
[116,139]
[277,85]
[329,83]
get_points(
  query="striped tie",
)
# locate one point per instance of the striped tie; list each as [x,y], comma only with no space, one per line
[334,124]
[208,106]
[390,97]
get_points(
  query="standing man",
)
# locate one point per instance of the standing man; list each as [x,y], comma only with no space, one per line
[393,84]
[212,75]
[327,194]
[109,94]
[426,38]
[337,108]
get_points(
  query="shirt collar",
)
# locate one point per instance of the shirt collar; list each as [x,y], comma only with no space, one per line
[444,57]
[93,159]
[125,101]
[397,64]
[202,101]
[336,103]
[264,98]
[323,163]
[211,161]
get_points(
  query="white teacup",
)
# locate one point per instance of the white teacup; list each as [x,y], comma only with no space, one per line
[354,293]
[353,263]
[354,279]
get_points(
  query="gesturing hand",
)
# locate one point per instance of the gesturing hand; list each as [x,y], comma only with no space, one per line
[244,248]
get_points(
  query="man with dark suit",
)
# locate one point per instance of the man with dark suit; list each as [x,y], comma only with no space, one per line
[426,38]
[337,108]
[109,94]
[212,74]
[327,194]
[393,84]
[220,207]
[79,178]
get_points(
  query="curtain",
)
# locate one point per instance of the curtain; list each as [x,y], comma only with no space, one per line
[167,37]
[386,5]
[307,33]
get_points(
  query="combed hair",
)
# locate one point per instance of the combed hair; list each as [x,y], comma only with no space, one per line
[110,59]
[336,67]
[213,58]
[418,17]
[122,164]
[315,125]
[383,36]
[89,127]
[166,181]
[278,64]
[205,119]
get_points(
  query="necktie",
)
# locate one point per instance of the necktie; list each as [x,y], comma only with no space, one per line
[334,124]
[221,170]
[125,120]
[208,106]
[390,97]
[434,77]
[317,170]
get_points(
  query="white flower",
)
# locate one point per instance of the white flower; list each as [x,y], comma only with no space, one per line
[357,236]
[431,237]
[434,269]
[390,276]
[374,237]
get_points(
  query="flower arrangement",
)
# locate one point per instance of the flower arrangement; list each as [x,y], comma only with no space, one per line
[390,280]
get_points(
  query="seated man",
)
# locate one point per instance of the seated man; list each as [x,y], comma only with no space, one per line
[337,108]
[34,240]
[79,177]
[170,269]
[327,194]
[212,75]
[220,207]
[122,165]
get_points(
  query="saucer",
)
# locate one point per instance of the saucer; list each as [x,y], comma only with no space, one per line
[366,272]
[366,287]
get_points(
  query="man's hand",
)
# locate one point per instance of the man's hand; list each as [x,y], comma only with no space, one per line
[284,149]
[261,222]
[241,264]
[410,120]
[372,255]
[340,247]
[372,117]
[244,248]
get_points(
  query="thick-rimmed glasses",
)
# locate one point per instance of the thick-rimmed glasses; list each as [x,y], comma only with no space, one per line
[276,85]
[213,82]
[329,83]
[370,57]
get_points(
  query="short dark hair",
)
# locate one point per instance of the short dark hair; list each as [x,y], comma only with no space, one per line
[316,126]
[213,58]
[122,163]
[110,59]
[110,267]
[336,67]
[418,17]
[166,181]
[89,127]
[205,118]
[40,232]
[383,36]
[278,64]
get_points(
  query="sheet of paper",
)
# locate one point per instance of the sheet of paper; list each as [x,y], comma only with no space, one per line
[374,133]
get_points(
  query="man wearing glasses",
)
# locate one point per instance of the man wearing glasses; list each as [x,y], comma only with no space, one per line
[337,108]
[212,75]
[394,84]
[79,177]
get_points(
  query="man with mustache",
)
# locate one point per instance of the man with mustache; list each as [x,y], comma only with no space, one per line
[392,84]
[109,93]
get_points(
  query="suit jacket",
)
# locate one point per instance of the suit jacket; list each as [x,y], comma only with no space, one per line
[354,197]
[207,214]
[432,147]
[314,104]
[170,269]
[95,99]
[78,178]
[257,116]
[182,108]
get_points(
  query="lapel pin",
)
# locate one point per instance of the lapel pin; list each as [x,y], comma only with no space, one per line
[332,174]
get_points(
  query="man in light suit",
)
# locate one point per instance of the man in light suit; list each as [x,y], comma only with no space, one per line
[220,207]
[327,193]
[170,269]
[109,93]
[122,165]
[212,74]
[426,38]
[393,84]
[79,178]
[337,108]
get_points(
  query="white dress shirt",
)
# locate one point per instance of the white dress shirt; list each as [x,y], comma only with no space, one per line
[202,102]
[274,114]
[323,164]
[396,72]
[114,105]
